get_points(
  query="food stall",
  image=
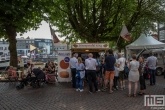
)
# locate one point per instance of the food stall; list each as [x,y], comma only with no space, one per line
[82,49]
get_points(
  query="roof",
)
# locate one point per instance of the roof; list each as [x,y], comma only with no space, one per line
[145,41]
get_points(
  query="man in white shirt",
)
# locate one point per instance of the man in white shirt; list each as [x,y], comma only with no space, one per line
[152,62]
[72,64]
[91,64]
[121,64]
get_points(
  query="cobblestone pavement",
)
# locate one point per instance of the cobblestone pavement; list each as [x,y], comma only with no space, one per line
[61,96]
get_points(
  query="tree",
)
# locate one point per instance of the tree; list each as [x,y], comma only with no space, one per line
[102,20]
[19,16]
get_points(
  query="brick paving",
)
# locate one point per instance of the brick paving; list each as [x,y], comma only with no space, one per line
[61,96]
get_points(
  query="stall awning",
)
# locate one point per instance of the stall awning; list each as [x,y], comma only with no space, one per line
[145,41]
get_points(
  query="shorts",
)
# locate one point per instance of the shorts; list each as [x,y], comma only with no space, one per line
[121,75]
[109,75]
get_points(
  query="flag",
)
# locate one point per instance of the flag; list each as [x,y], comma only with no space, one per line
[54,37]
[32,47]
[125,34]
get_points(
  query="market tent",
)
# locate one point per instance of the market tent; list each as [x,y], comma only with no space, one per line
[145,42]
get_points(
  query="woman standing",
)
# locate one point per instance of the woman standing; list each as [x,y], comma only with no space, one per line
[80,73]
[133,75]
[141,79]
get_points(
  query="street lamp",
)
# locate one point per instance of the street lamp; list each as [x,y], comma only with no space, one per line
[67,42]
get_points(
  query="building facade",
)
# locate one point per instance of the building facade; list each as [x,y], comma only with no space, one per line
[4,48]
[161,32]
[23,45]
[44,45]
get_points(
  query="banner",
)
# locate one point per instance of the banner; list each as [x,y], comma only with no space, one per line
[125,34]
[64,72]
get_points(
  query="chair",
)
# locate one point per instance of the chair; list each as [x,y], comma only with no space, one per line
[12,75]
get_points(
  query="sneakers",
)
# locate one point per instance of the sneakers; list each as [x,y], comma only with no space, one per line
[98,90]
[77,89]
[90,92]
[114,89]
[121,89]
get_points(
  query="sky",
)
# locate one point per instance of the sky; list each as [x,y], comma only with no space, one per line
[42,32]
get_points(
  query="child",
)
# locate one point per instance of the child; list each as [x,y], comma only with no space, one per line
[116,78]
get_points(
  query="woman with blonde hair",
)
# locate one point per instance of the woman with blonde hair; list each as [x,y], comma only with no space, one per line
[133,75]
[80,73]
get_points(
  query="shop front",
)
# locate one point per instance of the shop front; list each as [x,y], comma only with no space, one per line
[82,49]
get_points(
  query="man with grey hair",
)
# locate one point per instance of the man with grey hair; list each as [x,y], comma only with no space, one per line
[72,64]
[91,64]
[152,62]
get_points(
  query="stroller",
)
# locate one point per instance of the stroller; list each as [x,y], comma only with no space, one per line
[35,82]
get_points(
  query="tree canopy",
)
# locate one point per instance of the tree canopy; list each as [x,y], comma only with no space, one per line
[102,20]
[19,16]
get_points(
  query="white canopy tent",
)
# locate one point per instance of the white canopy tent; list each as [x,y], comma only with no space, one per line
[142,42]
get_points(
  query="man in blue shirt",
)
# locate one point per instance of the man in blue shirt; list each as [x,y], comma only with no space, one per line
[110,70]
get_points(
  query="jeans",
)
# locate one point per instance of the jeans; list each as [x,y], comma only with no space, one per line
[73,71]
[91,74]
[152,76]
[79,82]
[115,80]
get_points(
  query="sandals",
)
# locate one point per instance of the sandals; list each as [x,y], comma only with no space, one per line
[134,95]
[110,92]
[140,93]
[104,90]
[129,95]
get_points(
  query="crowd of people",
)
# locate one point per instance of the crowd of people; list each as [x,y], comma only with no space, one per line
[108,70]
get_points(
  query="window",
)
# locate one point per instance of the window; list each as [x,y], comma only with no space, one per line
[27,46]
[1,48]
[29,41]
[41,44]
[32,41]
[26,41]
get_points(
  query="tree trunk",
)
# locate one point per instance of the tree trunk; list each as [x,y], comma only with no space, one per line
[11,33]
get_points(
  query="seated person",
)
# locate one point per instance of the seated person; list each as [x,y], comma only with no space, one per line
[36,74]
[9,71]
[45,72]
[14,73]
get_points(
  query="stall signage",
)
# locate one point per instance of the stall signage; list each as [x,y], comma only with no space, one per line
[90,45]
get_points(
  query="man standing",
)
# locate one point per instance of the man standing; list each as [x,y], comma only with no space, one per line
[152,63]
[110,70]
[72,63]
[121,64]
[91,64]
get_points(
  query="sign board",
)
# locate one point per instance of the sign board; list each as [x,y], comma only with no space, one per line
[64,73]
[90,46]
